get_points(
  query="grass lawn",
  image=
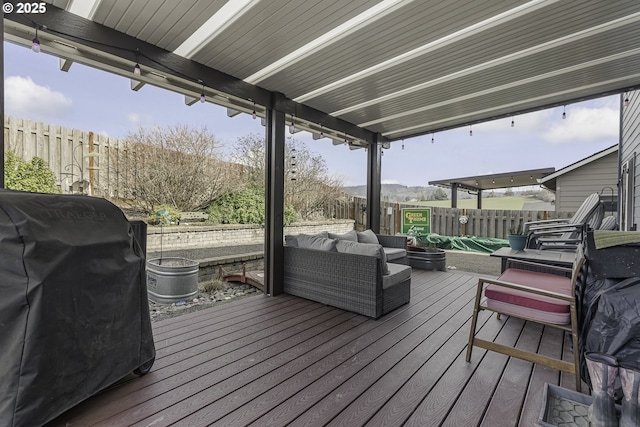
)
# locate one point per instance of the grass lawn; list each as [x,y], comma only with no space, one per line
[499,203]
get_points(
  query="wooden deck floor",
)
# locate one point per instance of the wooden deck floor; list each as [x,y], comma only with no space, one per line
[265,361]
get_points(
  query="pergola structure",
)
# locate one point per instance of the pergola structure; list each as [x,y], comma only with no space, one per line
[476,184]
[364,72]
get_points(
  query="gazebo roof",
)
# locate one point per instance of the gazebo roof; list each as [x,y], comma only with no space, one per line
[357,68]
[494,181]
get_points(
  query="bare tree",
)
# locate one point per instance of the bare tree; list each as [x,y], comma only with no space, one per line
[309,186]
[176,165]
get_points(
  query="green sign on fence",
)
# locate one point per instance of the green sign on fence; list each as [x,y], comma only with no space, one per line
[416,220]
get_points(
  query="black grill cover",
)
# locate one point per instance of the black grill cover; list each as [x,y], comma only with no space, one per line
[74,315]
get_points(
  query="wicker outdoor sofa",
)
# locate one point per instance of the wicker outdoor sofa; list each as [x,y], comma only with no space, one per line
[348,275]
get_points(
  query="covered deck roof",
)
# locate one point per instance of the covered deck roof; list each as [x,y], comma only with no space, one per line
[350,69]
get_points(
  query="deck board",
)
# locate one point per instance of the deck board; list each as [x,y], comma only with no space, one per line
[288,361]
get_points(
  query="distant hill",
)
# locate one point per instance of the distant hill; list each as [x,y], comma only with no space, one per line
[396,192]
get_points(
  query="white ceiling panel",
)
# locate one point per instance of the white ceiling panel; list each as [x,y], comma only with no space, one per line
[395,67]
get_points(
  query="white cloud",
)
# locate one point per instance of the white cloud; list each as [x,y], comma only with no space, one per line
[25,98]
[585,124]
[139,119]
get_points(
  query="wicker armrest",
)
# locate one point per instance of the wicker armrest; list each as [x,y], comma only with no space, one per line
[389,241]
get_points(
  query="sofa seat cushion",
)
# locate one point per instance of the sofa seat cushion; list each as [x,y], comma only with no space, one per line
[349,247]
[349,235]
[394,253]
[398,273]
[533,279]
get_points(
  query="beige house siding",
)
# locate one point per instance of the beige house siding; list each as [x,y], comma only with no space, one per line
[576,185]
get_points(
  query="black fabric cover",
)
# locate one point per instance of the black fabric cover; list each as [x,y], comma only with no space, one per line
[74,315]
[608,301]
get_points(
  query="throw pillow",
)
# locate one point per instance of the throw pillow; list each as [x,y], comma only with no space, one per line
[367,236]
[349,247]
[349,235]
[316,242]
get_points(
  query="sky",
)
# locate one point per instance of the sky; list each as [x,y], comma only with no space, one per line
[92,100]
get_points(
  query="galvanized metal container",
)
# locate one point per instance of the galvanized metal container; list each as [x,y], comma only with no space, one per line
[172,279]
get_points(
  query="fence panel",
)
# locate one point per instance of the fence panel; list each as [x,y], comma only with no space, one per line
[446,221]
[79,159]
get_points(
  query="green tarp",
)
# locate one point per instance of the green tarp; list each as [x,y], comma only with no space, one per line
[462,243]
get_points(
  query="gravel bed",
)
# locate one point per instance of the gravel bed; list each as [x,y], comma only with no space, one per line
[224,292]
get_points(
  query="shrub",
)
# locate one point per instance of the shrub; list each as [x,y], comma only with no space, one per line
[164,215]
[244,207]
[34,176]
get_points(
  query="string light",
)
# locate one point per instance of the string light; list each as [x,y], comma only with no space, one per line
[202,97]
[292,127]
[433,137]
[564,112]
[513,123]
[403,144]
[470,131]
[626,101]
[253,113]
[35,45]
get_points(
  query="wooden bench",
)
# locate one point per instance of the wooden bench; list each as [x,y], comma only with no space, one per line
[193,216]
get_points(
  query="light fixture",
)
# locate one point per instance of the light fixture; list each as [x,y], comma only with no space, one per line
[433,137]
[292,127]
[403,144]
[321,132]
[493,181]
[513,123]
[136,68]
[470,131]
[511,179]
[35,45]
[253,113]
[564,112]
[202,97]
[626,101]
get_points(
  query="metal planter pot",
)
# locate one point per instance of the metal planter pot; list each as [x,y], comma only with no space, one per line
[170,280]
[427,258]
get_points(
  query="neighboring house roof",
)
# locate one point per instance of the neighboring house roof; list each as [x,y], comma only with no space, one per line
[549,181]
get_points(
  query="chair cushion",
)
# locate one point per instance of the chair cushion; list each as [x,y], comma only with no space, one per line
[394,253]
[349,247]
[398,273]
[316,242]
[528,313]
[533,279]
[349,235]
[367,236]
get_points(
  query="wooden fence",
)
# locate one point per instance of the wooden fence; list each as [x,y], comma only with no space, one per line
[83,162]
[446,221]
